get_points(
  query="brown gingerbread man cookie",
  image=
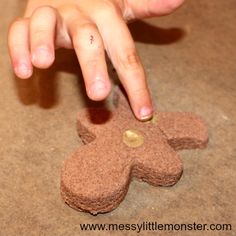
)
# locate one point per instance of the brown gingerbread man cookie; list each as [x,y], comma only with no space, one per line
[118,147]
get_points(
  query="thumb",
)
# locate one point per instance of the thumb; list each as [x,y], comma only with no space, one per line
[138,9]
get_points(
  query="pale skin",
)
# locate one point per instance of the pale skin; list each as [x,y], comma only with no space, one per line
[90,27]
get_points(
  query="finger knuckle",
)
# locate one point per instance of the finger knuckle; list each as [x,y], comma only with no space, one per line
[139,92]
[48,10]
[82,32]
[15,27]
[17,22]
[87,28]
[40,33]
[48,14]
[109,10]
[129,60]
[91,62]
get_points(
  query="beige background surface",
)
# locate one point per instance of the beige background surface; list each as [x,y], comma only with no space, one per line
[190,62]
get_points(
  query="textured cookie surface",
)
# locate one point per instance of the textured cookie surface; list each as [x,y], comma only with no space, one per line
[118,147]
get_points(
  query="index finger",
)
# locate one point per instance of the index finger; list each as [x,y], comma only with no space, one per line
[122,52]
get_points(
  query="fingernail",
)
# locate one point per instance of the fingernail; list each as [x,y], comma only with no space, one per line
[145,113]
[97,89]
[23,71]
[42,56]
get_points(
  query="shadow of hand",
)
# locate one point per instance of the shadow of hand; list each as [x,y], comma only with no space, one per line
[150,34]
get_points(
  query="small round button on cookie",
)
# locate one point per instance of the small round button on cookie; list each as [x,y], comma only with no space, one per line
[133,138]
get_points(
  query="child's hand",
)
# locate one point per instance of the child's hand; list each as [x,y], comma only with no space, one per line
[88,26]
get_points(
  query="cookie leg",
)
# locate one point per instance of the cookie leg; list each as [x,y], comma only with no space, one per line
[159,165]
[93,181]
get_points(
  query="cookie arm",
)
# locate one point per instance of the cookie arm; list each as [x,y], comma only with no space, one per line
[91,122]
[184,130]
